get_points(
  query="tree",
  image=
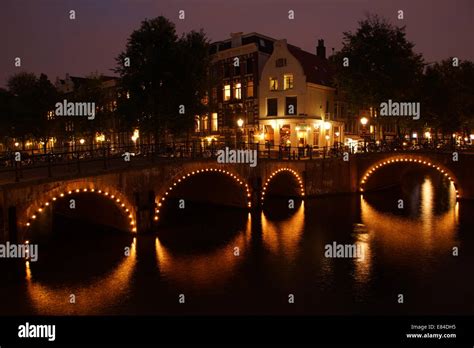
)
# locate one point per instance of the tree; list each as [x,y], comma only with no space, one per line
[446,94]
[381,64]
[32,99]
[161,74]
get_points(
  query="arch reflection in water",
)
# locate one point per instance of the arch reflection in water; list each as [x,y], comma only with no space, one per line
[282,237]
[404,239]
[90,299]
[203,270]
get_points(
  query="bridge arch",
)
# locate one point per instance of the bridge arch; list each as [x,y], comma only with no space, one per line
[120,200]
[419,160]
[183,177]
[279,171]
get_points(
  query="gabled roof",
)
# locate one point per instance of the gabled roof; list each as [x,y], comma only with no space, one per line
[316,69]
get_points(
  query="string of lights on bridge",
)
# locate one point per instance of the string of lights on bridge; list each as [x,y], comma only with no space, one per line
[374,168]
[199,171]
[105,193]
[298,178]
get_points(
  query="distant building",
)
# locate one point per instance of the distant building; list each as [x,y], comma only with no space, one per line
[297,101]
[105,129]
[235,72]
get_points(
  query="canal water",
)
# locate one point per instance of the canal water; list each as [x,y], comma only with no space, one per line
[228,261]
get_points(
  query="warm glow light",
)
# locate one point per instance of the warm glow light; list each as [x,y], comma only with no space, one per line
[364,121]
[327,125]
[427,135]
[136,135]
[82,141]
[240,122]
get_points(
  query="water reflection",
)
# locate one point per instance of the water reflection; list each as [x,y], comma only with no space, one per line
[402,239]
[94,298]
[207,269]
[283,236]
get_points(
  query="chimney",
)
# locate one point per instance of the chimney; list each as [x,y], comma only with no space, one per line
[320,49]
[236,39]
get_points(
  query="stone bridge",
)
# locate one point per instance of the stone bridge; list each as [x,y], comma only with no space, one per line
[141,192]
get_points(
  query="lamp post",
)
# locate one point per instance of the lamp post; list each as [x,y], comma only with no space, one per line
[240,124]
[363,122]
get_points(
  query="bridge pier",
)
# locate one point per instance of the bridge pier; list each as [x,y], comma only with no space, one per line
[256,193]
[145,209]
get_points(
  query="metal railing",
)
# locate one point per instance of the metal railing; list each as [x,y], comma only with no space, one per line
[18,165]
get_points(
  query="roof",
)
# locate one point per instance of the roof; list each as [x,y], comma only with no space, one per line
[263,42]
[316,69]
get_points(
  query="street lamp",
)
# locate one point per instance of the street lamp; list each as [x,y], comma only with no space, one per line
[240,124]
[82,141]
[363,122]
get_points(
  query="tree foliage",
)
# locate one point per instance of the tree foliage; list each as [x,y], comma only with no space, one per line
[382,64]
[165,73]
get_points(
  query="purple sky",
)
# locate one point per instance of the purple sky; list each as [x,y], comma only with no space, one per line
[40,32]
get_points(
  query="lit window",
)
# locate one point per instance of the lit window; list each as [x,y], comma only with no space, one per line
[288,81]
[204,123]
[250,89]
[214,126]
[238,91]
[197,124]
[227,92]
[273,84]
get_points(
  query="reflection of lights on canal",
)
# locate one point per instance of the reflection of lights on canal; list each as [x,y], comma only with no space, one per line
[404,238]
[90,299]
[203,270]
[283,237]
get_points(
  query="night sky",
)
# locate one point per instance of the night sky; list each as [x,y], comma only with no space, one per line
[41,33]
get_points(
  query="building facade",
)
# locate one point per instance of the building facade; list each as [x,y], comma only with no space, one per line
[236,66]
[296,99]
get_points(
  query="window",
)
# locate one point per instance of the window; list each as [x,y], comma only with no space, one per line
[226,92]
[249,66]
[237,70]
[288,81]
[250,89]
[214,126]
[291,106]
[197,124]
[273,84]
[316,136]
[238,91]
[205,123]
[214,94]
[280,62]
[226,71]
[272,106]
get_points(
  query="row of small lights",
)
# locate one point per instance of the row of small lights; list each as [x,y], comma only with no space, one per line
[105,193]
[300,182]
[206,170]
[429,164]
